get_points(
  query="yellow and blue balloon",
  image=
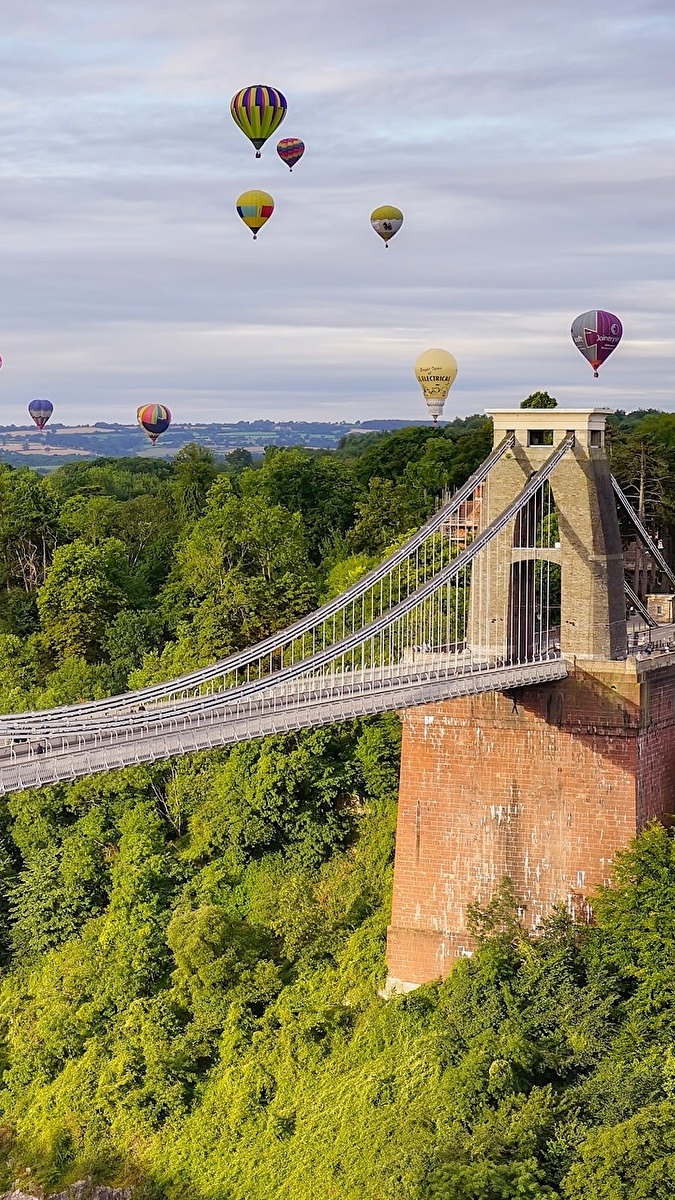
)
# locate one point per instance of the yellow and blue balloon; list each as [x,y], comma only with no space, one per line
[255,208]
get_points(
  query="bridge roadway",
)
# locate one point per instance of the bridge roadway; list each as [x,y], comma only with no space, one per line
[219,720]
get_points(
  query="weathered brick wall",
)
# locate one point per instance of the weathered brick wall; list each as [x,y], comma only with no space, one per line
[656,775]
[543,786]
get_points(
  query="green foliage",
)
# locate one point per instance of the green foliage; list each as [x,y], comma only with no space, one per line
[387,458]
[241,572]
[192,998]
[192,953]
[321,488]
[120,478]
[539,400]
[28,529]
[239,459]
[119,572]
[128,639]
[489,1181]
[84,589]
[194,470]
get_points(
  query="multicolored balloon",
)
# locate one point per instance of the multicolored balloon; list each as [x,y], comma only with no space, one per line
[290,151]
[154,419]
[258,111]
[436,371]
[596,334]
[255,208]
[40,411]
[386,221]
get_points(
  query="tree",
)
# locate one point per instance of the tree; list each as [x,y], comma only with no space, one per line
[127,639]
[239,459]
[194,470]
[388,457]
[319,487]
[643,461]
[489,1181]
[539,400]
[241,573]
[386,514]
[85,588]
[28,528]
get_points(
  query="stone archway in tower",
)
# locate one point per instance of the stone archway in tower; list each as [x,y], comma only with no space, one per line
[535,580]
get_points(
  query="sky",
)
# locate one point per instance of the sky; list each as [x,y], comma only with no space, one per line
[530,146]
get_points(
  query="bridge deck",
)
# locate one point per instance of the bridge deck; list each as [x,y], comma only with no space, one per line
[162,735]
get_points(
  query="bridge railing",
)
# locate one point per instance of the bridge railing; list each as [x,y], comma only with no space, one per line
[423,556]
[422,636]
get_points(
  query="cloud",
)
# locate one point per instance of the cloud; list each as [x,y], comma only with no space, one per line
[530,147]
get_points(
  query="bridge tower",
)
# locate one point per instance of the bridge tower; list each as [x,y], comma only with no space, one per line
[587,551]
[546,783]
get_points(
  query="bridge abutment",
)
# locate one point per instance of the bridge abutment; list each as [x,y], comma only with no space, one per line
[543,785]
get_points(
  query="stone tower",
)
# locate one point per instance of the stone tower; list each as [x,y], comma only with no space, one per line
[544,784]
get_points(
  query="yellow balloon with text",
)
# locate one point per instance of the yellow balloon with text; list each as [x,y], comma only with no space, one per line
[436,371]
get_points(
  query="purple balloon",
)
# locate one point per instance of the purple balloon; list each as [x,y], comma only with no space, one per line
[596,334]
[40,411]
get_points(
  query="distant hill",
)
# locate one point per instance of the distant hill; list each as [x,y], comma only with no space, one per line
[59,443]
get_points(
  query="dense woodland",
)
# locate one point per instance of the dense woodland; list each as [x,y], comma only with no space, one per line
[191,952]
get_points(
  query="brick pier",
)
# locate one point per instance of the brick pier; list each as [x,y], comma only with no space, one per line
[544,786]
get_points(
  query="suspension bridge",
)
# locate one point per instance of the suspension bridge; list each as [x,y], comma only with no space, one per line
[516,576]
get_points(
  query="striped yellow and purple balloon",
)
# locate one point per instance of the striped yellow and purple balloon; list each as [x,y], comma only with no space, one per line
[258,111]
[154,419]
[290,151]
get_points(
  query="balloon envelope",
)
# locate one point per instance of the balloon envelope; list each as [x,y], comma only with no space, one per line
[40,411]
[290,151]
[436,371]
[596,334]
[386,221]
[258,111]
[154,419]
[255,208]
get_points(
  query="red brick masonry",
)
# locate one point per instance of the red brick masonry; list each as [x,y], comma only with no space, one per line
[543,785]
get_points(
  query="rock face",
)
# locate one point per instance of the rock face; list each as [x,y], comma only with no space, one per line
[84,1189]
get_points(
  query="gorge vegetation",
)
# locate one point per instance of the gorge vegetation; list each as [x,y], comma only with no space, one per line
[191,952]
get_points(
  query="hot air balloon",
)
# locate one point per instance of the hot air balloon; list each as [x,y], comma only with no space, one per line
[255,208]
[436,371]
[258,111]
[386,221]
[154,419]
[290,151]
[40,411]
[596,334]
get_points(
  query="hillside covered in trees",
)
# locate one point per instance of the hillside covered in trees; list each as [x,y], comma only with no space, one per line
[192,952]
